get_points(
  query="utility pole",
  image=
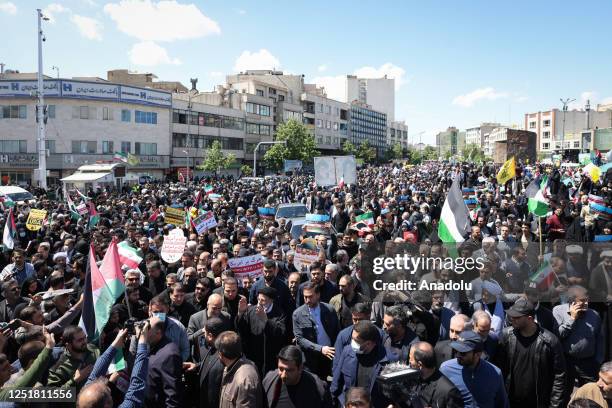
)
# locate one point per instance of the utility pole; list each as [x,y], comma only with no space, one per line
[42,151]
[565,102]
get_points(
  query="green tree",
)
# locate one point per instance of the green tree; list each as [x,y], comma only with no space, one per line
[398,152]
[246,170]
[366,152]
[473,153]
[215,159]
[349,148]
[430,153]
[300,145]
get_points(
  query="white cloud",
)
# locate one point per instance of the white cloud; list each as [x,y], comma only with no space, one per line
[160,21]
[89,27]
[9,8]
[520,99]
[52,9]
[322,68]
[388,69]
[148,53]
[242,12]
[468,100]
[261,59]
[335,86]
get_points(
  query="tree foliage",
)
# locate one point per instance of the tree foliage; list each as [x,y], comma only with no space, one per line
[366,152]
[246,170]
[473,153]
[215,159]
[398,152]
[430,153]
[349,148]
[300,145]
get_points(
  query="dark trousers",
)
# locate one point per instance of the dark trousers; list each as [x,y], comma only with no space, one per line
[318,364]
[579,371]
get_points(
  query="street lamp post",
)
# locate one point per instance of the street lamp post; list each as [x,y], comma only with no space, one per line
[42,151]
[255,153]
[187,172]
[565,103]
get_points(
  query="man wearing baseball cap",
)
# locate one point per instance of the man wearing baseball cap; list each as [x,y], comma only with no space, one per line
[531,359]
[481,383]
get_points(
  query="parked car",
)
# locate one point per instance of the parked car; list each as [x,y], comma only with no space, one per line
[17,194]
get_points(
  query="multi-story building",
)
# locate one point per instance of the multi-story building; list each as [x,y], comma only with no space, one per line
[87,122]
[476,135]
[559,131]
[367,124]
[451,141]
[379,93]
[505,143]
[143,80]
[397,132]
[327,119]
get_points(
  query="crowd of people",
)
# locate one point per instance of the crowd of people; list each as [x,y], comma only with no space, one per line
[533,330]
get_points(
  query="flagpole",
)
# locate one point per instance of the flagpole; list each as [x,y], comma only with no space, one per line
[540,233]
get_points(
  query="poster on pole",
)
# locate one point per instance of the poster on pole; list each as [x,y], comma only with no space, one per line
[330,170]
[292,165]
[36,219]
[247,266]
[174,216]
[173,246]
[205,222]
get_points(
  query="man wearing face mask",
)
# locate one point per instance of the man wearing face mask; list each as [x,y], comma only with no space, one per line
[263,329]
[435,390]
[360,364]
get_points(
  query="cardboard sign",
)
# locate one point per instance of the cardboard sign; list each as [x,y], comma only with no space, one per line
[247,266]
[304,257]
[174,216]
[205,222]
[82,209]
[36,219]
[174,246]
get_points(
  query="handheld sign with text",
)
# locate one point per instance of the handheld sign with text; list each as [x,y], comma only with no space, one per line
[174,246]
[36,219]
[174,216]
[205,222]
[247,266]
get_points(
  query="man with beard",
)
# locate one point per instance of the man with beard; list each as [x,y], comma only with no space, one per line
[76,362]
[599,392]
[270,280]
[327,289]
[231,298]
[134,307]
[293,282]
[190,277]
[263,329]
[20,270]
[399,337]
[197,322]
[435,390]
[155,281]
[12,304]
[345,300]
[442,315]
[179,309]
[199,297]
[209,369]
[481,383]
[443,350]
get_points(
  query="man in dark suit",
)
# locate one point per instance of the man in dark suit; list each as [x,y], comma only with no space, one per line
[197,322]
[209,369]
[12,304]
[443,350]
[317,277]
[435,389]
[315,327]
[270,280]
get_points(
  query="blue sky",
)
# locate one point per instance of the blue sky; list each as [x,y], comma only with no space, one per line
[456,63]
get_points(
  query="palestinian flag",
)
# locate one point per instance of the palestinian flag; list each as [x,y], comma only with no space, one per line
[7,202]
[74,214]
[8,238]
[544,277]
[129,256]
[198,199]
[367,218]
[94,217]
[536,202]
[474,213]
[103,286]
[455,217]
[121,156]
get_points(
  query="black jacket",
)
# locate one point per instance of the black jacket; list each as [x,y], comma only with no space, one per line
[549,365]
[443,352]
[313,392]
[165,378]
[438,391]
[211,373]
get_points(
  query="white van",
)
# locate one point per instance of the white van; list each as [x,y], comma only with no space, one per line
[17,194]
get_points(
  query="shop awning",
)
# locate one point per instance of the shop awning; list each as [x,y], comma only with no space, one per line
[84,177]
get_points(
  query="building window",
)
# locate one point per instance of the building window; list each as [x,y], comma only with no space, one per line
[51,111]
[179,140]
[146,117]
[320,107]
[107,147]
[281,98]
[13,112]
[576,144]
[149,149]
[545,146]
[254,108]
[84,147]
[272,91]
[126,147]
[259,92]
[84,112]
[13,146]
[532,125]
[328,140]
[546,123]
[126,115]
[107,113]
[258,129]
[50,146]
[546,135]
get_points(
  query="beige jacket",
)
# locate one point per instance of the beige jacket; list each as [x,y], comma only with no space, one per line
[240,386]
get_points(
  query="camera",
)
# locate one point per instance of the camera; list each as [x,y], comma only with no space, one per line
[399,383]
[131,325]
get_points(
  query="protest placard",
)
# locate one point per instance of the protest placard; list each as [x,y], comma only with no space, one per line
[205,222]
[36,219]
[174,216]
[247,266]
[174,246]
